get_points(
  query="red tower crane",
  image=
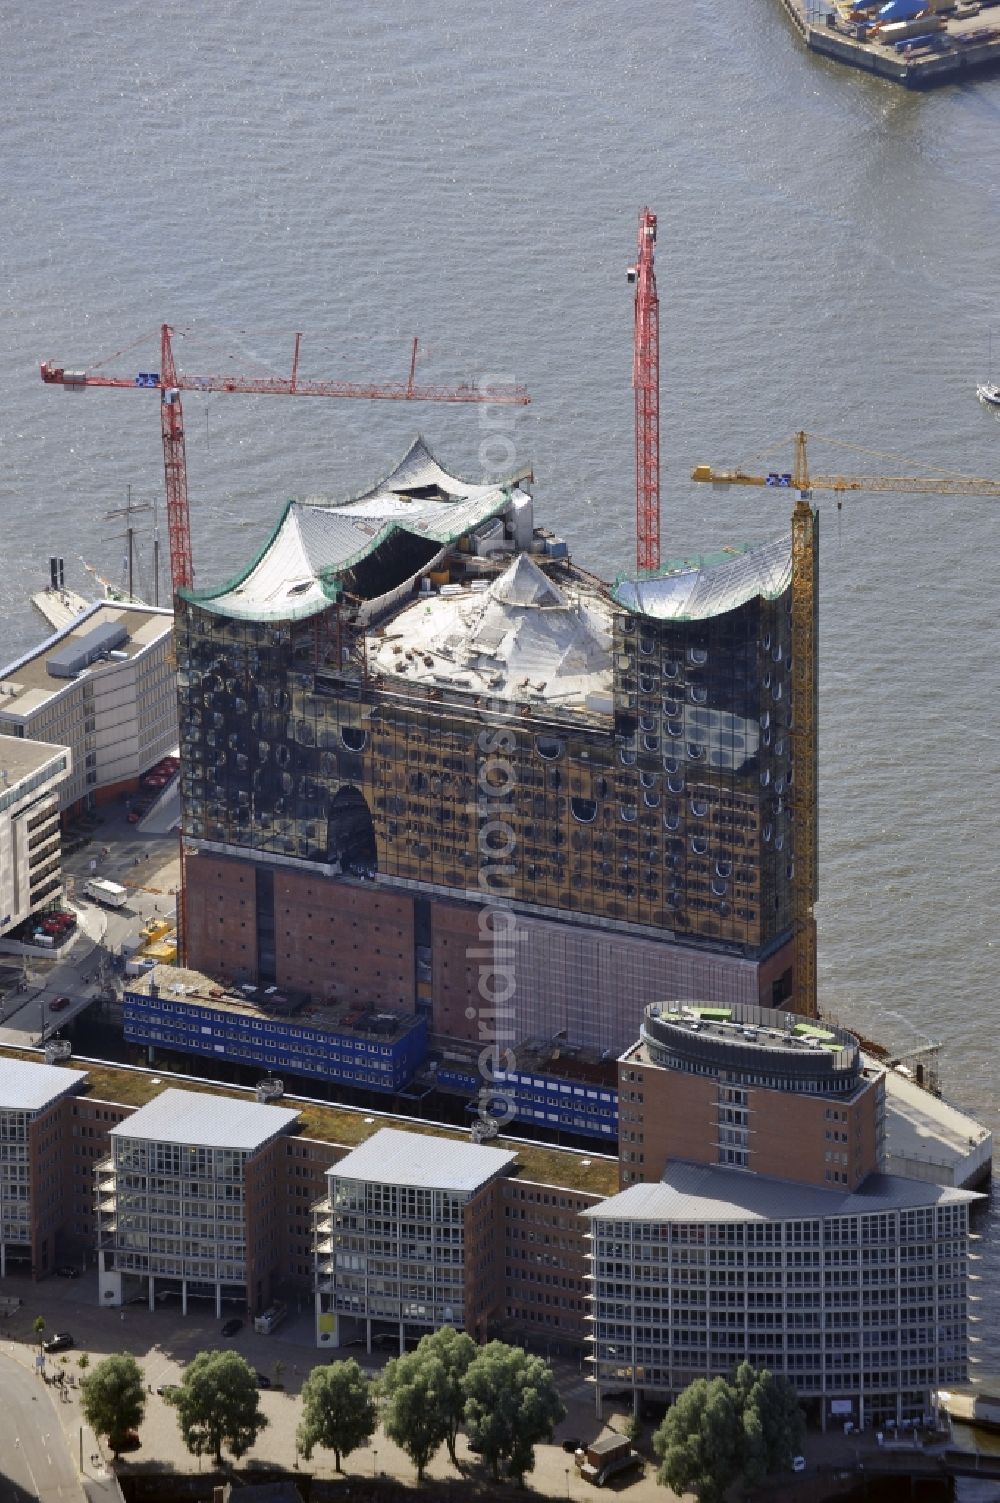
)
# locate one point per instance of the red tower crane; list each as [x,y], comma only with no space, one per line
[646,383]
[170,382]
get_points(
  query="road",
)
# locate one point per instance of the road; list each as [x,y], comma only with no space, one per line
[36,1461]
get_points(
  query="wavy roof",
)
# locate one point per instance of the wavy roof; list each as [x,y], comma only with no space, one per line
[693,591]
[299,569]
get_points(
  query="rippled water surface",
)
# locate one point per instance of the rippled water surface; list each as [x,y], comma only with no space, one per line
[470,172]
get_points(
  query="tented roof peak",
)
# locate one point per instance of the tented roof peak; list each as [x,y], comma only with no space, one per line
[525,584]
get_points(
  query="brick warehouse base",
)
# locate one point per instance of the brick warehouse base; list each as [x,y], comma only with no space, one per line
[351,941]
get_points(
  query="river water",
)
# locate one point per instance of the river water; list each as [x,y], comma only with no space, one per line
[472,173]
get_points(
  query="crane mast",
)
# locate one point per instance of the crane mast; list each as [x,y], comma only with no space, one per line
[805,595]
[646,384]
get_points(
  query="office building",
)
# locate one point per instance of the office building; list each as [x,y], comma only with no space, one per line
[413,701]
[188,1201]
[103,687]
[411,1234]
[860,1297]
[32,1146]
[31,773]
[751,1087]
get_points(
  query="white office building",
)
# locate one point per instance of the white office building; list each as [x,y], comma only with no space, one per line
[189,1204]
[409,1238]
[105,687]
[31,773]
[860,1299]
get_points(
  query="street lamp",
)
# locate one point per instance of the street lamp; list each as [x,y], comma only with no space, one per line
[374,1461]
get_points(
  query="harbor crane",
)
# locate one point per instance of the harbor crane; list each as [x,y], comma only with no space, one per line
[170,382]
[646,384]
[805,537]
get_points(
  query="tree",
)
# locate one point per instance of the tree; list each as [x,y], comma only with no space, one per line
[700,1442]
[338,1410]
[38,1326]
[416,1417]
[773,1423]
[447,1354]
[218,1403]
[113,1398]
[511,1403]
[718,1431]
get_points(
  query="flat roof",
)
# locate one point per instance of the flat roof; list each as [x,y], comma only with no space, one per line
[28,1087]
[298,1010]
[921,1125]
[208,1121]
[391,1157]
[19,758]
[715,1192]
[27,681]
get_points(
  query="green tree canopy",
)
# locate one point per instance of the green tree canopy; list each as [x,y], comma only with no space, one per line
[113,1398]
[700,1443]
[415,1388]
[338,1410]
[454,1350]
[218,1403]
[719,1431]
[511,1403]
[772,1420]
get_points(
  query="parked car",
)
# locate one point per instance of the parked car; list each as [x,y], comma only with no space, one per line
[60,1342]
[263,1381]
[571,1446]
[167,1391]
[58,1003]
[67,1271]
[232,1327]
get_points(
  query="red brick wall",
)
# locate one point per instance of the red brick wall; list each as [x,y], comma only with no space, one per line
[545,1259]
[221,917]
[455,973]
[303,1183]
[344,943]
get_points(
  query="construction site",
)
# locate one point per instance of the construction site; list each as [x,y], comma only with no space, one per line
[434,771]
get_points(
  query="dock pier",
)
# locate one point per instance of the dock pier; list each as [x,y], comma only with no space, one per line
[971,46]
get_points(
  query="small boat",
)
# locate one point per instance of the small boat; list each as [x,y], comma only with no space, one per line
[988,393]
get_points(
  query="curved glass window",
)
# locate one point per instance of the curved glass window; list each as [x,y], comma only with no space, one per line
[647,685]
[353,737]
[629,813]
[698,693]
[671,707]
[699,845]
[696,751]
[765,720]
[779,841]
[779,747]
[766,834]
[777,690]
[647,779]
[651,799]
[627,755]
[699,807]
[724,868]
[584,810]
[651,743]
[671,820]
[765,777]
[647,646]
[548,747]
[675,783]
[675,727]
[671,668]
[647,722]
[698,656]
[719,887]
[767,641]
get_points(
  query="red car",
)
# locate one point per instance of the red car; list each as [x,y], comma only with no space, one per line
[58,1004]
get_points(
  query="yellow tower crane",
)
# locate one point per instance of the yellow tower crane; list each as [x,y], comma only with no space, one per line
[805,537]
